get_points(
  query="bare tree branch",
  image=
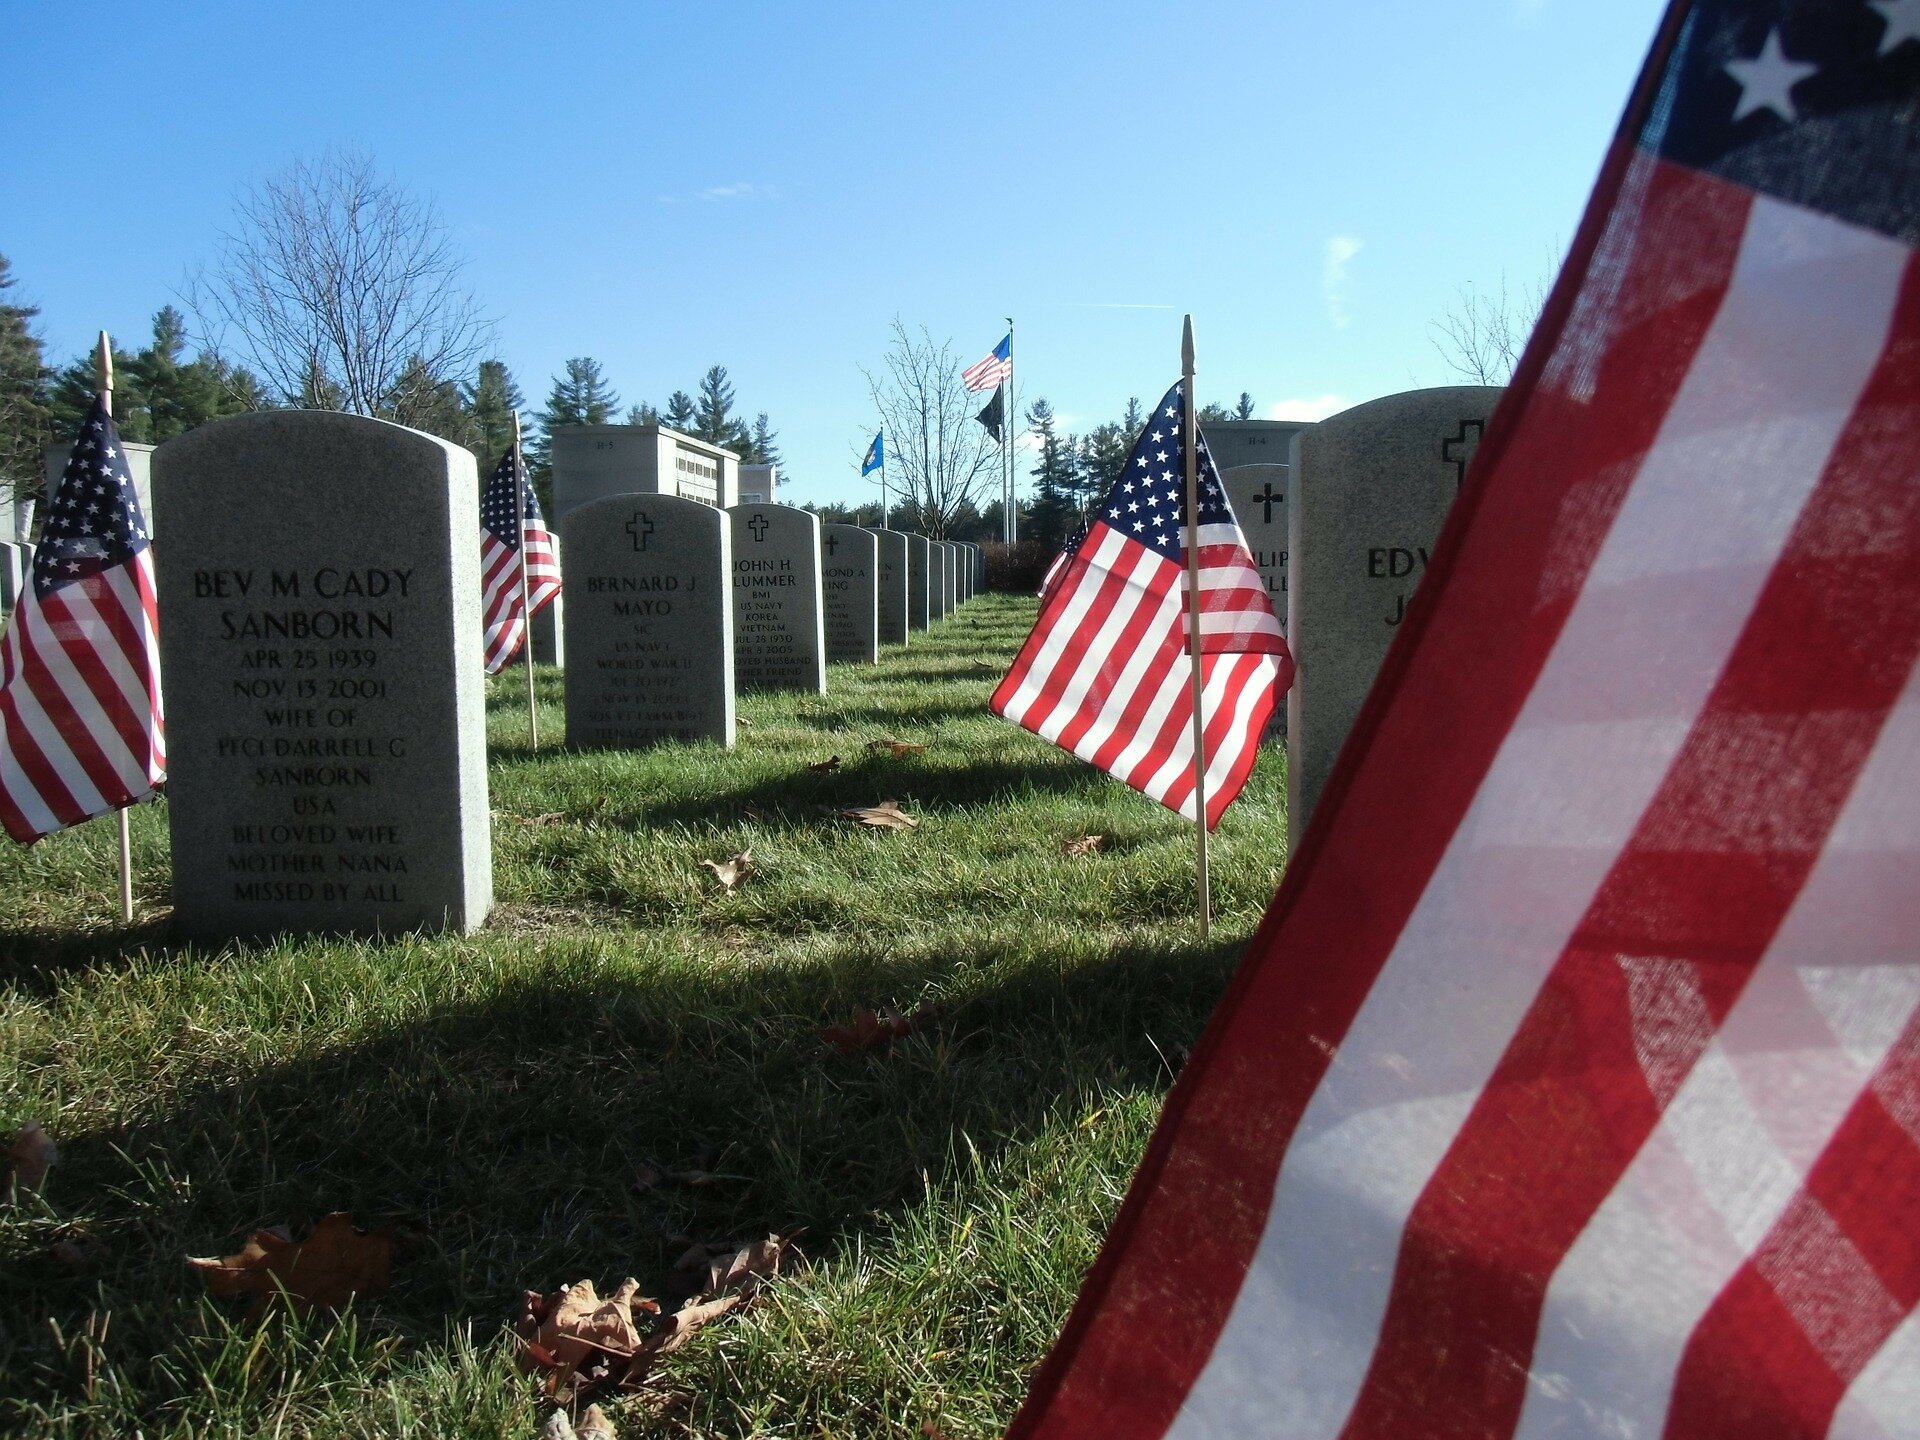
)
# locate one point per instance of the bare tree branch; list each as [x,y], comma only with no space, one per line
[1482,335]
[939,459]
[336,282]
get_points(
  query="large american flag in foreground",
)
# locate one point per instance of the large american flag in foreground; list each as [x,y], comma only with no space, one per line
[1106,673]
[506,609]
[1572,1085]
[80,726]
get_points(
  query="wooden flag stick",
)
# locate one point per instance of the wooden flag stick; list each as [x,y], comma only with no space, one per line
[526,591]
[103,377]
[1190,441]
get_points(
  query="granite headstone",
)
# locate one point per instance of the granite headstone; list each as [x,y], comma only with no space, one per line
[1259,497]
[779,639]
[549,621]
[939,558]
[892,597]
[919,582]
[16,562]
[322,678]
[850,588]
[649,633]
[1367,492]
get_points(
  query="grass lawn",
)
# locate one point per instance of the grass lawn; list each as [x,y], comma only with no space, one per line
[497,1095]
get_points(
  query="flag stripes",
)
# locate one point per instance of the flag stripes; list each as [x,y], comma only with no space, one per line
[1554,1124]
[507,605]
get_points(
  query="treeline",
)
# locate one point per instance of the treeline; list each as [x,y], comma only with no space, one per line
[1071,473]
[162,390]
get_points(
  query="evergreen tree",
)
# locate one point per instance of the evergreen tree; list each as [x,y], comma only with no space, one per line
[1055,509]
[679,414]
[760,449]
[24,421]
[490,402]
[1244,410]
[642,414]
[422,400]
[70,398]
[176,393]
[317,392]
[580,397]
[713,419]
[1212,413]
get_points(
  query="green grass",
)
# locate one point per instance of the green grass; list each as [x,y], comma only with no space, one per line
[495,1094]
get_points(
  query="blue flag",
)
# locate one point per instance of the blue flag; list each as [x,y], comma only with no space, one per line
[876,456]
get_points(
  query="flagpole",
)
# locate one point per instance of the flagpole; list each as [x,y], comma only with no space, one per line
[1190,442]
[526,593]
[1012,526]
[103,376]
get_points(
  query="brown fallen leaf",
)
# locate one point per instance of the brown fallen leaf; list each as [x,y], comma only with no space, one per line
[887,815]
[587,1345]
[730,873]
[1085,845]
[594,1425]
[552,817]
[870,1031]
[28,1159]
[742,720]
[333,1265]
[896,747]
[821,767]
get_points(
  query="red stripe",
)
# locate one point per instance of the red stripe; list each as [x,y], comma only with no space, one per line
[1548,481]
[1834,633]
[1102,696]
[51,628]
[27,751]
[1105,587]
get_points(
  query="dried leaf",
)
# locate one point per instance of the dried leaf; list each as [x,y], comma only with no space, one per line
[594,1425]
[1085,845]
[742,720]
[558,1427]
[821,767]
[870,1031]
[896,747]
[733,1270]
[532,822]
[330,1267]
[887,815]
[730,873]
[28,1159]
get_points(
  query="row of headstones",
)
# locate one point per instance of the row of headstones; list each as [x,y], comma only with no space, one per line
[323,686]
[674,606]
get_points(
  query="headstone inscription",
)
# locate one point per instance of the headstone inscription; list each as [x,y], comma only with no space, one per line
[850,588]
[322,680]
[549,622]
[1367,492]
[919,582]
[649,634]
[779,639]
[892,596]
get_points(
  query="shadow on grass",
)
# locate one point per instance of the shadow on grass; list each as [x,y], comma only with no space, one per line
[510,1131]
[34,958]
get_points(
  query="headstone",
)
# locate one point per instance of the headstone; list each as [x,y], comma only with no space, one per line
[779,639]
[1367,492]
[964,557]
[893,587]
[850,588]
[1259,497]
[953,575]
[1249,442]
[591,462]
[919,582]
[549,623]
[649,632]
[938,558]
[15,565]
[326,735]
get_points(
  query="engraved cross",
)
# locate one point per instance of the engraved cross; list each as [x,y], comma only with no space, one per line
[1459,450]
[758,525]
[1267,500]
[639,527]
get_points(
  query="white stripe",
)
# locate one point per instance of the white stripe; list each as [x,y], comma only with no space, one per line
[1102,651]
[1829,998]
[1173,683]
[1073,608]
[50,662]
[1133,675]
[1179,762]
[1885,1397]
[1780,369]
[13,779]
[119,666]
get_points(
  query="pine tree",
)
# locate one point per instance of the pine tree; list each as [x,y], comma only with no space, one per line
[424,401]
[679,414]
[580,397]
[713,419]
[642,414]
[70,398]
[759,448]
[1244,410]
[490,402]
[1055,510]
[24,421]
[176,393]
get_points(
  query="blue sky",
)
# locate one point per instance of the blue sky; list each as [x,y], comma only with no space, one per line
[766,186]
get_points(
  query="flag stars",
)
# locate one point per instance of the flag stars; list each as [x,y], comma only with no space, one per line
[1767,80]
[1903,22]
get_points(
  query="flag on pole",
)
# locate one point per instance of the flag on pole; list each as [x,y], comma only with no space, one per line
[876,455]
[80,721]
[504,609]
[1571,1086]
[1106,673]
[993,413]
[994,368]
[1060,561]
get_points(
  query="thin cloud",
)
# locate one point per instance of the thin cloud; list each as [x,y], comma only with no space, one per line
[1309,408]
[1333,277]
[719,194]
[1528,13]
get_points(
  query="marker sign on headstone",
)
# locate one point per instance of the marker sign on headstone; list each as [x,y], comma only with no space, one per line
[322,677]
[850,588]
[919,582]
[649,630]
[892,597]
[779,639]
[1366,495]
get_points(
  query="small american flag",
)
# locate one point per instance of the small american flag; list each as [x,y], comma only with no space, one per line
[994,368]
[1106,673]
[506,609]
[1064,558]
[80,724]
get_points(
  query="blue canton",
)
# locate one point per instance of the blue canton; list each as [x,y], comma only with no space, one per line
[93,521]
[496,505]
[1148,503]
